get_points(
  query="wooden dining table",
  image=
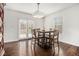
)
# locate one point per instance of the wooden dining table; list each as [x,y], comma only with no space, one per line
[44,38]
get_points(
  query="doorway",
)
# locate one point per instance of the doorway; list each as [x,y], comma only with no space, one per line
[25,29]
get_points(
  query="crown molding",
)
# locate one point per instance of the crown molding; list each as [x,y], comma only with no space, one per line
[18,11]
[62,9]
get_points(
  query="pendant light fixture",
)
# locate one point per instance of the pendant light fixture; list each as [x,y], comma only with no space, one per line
[38,13]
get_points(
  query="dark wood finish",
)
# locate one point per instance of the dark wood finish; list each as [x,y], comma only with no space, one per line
[56,40]
[1,28]
[23,48]
[12,48]
[49,39]
[34,40]
[44,39]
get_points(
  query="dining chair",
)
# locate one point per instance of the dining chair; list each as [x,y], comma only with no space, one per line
[34,40]
[56,41]
[51,42]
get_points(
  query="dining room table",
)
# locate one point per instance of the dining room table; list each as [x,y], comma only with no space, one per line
[44,38]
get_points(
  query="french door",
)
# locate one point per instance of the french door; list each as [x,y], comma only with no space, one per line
[25,28]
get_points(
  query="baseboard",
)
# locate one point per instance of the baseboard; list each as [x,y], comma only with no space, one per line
[25,39]
[77,45]
[17,40]
[10,41]
[31,38]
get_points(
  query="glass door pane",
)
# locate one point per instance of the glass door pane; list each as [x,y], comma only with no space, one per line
[22,29]
[25,29]
[30,26]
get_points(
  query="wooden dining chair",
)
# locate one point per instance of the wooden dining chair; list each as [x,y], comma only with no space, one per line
[51,42]
[56,41]
[34,40]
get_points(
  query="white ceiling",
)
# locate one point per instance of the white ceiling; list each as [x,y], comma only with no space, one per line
[30,8]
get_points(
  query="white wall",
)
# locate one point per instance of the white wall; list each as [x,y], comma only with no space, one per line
[11,19]
[70,33]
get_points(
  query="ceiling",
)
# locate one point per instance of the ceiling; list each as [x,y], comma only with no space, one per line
[46,8]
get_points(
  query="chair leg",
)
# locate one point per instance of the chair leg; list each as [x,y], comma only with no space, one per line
[58,49]
[53,48]
[34,48]
[33,44]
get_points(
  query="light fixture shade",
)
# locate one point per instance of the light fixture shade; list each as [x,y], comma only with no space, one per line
[38,14]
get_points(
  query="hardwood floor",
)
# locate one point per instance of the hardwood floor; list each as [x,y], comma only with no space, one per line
[23,48]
